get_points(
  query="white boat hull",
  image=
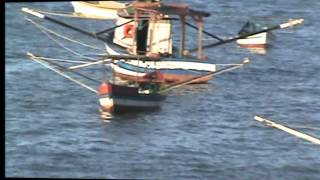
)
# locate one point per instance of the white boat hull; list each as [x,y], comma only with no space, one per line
[255,41]
[171,71]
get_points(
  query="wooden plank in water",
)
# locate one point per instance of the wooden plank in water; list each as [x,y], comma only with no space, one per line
[288,130]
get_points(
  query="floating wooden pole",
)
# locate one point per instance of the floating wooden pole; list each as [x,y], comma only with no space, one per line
[288,130]
[182,36]
[200,42]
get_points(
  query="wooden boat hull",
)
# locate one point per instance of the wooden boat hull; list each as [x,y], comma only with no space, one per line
[108,10]
[182,71]
[255,41]
[170,71]
[120,98]
[167,76]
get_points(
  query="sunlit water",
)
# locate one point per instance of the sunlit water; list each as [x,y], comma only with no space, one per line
[53,128]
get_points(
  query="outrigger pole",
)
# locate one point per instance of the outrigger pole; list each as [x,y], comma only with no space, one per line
[290,23]
[115,27]
[188,81]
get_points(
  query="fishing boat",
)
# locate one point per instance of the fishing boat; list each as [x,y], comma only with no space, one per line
[97,9]
[155,39]
[257,41]
[154,36]
[118,95]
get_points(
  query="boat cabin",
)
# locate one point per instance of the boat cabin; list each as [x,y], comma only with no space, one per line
[150,31]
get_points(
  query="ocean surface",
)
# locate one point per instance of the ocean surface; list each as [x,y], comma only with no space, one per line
[53,128]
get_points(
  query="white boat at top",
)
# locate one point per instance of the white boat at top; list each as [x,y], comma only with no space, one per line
[97,9]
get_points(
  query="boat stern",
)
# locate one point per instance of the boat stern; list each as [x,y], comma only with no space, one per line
[105,100]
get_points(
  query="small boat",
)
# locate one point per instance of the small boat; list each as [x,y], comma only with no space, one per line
[97,9]
[255,41]
[117,98]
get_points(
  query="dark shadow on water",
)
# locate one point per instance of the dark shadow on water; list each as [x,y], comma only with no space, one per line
[134,114]
[192,89]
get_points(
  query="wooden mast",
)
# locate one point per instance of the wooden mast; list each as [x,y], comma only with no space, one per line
[200,35]
[135,26]
[152,27]
[182,35]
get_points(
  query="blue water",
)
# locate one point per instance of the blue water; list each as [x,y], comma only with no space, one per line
[53,128]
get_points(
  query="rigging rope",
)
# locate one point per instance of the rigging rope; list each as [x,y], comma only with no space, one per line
[64,75]
[62,68]
[63,60]
[61,36]
[61,45]
[63,14]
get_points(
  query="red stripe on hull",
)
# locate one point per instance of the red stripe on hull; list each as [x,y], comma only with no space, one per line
[168,78]
[129,109]
[253,45]
[135,78]
[173,78]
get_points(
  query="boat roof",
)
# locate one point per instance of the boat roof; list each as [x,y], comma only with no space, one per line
[181,9]
[105,4]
